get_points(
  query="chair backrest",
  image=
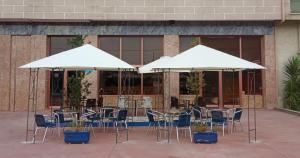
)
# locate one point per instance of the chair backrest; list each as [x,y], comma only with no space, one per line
[201,102]
[40,120]
[108,113]
[147,102]
[122,115]
[150,116]
[197,112]
[122,102]
[184,120]
[59,117]
[217,116]
[174,102]
[91,103]
[237,114]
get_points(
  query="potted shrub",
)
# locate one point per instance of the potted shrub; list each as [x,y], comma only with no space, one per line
[77,134]
[201,135]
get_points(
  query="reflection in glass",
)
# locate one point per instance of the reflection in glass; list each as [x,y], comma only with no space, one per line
[109,82]
[153,48]
[131,83]
[110,45]
[131,50]
[187,42]
[211,88]
[228,45]
[153,83]
[251,51]
[231,88]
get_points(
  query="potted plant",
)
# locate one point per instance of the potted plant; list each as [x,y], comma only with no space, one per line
[77,134]
[201,135]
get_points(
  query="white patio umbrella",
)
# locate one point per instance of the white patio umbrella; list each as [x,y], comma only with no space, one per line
[85,57]
[148,68]
[81,58]
[203,58]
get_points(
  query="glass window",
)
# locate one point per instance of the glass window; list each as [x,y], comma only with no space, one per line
[251,51]
[110,45]
[131,83]
[187,42]
[228,45]
[109,82]
[231,88]
[211,88]
[153,84]
[295,6]
[131,50]
[59,44]
[153,48]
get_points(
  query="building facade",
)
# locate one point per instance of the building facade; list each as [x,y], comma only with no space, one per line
[138,32]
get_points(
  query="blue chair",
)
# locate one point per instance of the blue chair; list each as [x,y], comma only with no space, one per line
[218,119]
[106,116]
[121,118]
[237,115]
[61,121]
[183,123]
[152,118]
[42,123]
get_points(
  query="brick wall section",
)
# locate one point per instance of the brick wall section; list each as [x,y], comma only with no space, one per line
[5,48]
[171,48]
[142,9]
[269,75]
[19,50]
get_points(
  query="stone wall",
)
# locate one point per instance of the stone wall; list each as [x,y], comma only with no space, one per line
[142,9]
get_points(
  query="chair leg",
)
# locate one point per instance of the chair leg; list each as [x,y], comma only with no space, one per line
[177,134]
[45,134]
[190,133]
[223,129]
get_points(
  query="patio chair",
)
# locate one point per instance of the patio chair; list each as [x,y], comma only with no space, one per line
[183,123]
[153,119]
[121,118]
[106,116]
[218,119]
[42,123]
[237,114]
[60,121]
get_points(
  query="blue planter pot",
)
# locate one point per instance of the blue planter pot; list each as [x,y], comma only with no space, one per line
[77,136]
[205,137]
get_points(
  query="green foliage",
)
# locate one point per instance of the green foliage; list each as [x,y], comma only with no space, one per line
[78,89]
[200,127]
[292,84]
[77,41]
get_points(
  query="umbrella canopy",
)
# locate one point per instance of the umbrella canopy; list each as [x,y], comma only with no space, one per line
[203,58]
[148,68]
[81,58]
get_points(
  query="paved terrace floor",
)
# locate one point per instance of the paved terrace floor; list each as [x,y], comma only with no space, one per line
[278,137]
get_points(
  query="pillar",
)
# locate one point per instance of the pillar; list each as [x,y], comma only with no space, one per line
[171,48]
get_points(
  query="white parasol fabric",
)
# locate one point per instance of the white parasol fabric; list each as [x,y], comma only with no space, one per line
[148,68]
[81,58]
[203,58]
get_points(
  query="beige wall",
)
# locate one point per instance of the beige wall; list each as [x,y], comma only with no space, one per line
[287,45]
[19,50]
[142,9]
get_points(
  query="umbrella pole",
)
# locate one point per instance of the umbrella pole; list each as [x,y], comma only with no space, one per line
[169,102]
[28,106]
[51,91]
[233,82]
[35,88]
